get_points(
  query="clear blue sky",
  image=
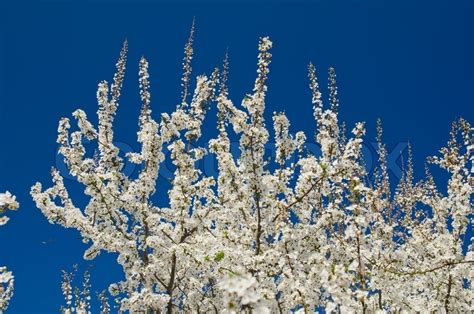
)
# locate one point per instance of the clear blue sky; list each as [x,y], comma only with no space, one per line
[407,62]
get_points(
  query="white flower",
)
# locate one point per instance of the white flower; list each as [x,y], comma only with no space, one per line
[7,200]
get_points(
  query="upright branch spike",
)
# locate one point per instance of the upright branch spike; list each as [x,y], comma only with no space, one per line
[220,119]
[120,73]
[381,150]
[187,69]
[429,177]
[316,94]
[342,135]
[402,164]
[466,131]
[144,89]
[264,59]
[382,156]
[332,84]
[104,302]
[86,286]
[223,93]
[409,176]
[223,89]
[214,82]
[379,132]
[103,93]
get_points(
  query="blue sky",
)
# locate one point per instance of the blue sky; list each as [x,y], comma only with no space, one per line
[411,63]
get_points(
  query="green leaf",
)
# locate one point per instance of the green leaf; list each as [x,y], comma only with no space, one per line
[219,256]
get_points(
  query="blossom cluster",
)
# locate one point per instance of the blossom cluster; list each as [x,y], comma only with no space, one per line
[268,234]
[7,201]
[78,300]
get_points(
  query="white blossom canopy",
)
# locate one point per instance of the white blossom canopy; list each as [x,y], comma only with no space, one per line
[269,233]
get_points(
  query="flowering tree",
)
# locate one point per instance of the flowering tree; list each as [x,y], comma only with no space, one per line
[7,201]
[270,233]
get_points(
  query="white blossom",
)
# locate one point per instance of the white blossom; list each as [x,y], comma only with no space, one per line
[7,201]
